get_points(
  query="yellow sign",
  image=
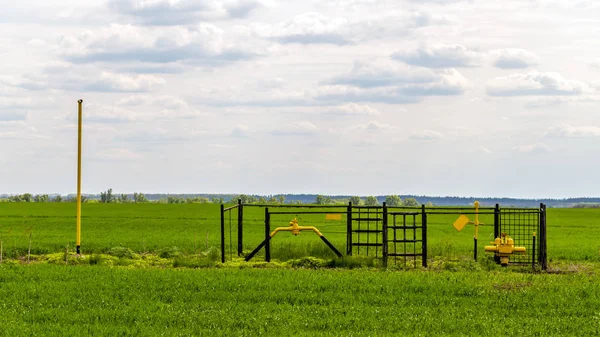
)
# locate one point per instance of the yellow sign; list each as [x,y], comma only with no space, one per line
[333,217]
[461,222]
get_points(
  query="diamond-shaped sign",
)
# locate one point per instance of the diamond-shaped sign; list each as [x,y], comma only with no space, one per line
[461,222]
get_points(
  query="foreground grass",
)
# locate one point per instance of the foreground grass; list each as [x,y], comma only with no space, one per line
[55,300]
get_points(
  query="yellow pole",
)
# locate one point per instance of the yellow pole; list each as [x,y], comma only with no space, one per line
[79,124]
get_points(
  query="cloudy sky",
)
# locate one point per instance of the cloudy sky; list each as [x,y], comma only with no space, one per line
[436,97]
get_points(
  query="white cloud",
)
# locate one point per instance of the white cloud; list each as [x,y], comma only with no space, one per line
[568,131]
[375,126]
[440,56]
[14,102]
[426,135]
[11,115]
[117,154]
[63,76]
[317,28]
[311,28]
[296,129]
[485,150]
[534,84]
[203,44]
[163,101]
[124,83]
[240,131]
[336,94]
[513,59]
[368,75]
[532,148]
[109,113]
[372,83]
[37,43]
[178,12]
[352,109]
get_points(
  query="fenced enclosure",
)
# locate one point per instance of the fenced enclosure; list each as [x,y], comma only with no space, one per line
[390,234]
[527,227]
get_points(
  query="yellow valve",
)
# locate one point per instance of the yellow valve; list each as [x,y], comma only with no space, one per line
[504,247]
[295,229]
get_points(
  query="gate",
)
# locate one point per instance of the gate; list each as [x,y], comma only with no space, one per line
[527,227]
[400,237]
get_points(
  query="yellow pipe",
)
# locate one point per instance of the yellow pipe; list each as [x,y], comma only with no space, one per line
[80,126]
[297,228]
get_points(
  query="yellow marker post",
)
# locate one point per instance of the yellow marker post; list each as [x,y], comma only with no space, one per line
[79,124]
[463,220]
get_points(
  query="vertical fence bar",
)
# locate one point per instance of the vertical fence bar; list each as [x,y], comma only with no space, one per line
[384,235]
[222,233]
[267,235]
[349,229]
[541,234]
[497,221]
[424,235]
[240,210]
[533,253]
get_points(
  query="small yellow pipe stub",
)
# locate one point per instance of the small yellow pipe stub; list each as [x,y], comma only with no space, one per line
[333,217]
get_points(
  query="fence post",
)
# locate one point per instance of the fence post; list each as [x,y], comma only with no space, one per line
[240,225]
[222,233]
[497,221]
[384,236]
[349,229]
[424,235]
[267,235]
[543,257]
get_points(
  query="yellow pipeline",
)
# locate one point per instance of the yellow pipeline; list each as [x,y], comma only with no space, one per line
[295,229]
[80,127]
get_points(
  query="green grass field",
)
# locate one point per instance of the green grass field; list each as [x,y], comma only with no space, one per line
[148,294]
[53,300]
[573,234]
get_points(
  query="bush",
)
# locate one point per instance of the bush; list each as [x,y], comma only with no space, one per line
[212,253]
[121,252]
[308,262]
[170,252]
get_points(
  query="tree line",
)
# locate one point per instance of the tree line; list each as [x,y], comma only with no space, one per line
[108,197]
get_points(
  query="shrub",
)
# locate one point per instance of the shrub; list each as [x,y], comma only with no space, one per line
[121,252]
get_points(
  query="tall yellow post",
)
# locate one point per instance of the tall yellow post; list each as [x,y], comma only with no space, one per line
[79,124]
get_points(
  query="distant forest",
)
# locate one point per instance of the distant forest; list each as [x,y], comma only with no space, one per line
[422,199]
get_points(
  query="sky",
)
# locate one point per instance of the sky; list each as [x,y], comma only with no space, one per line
[338,97]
